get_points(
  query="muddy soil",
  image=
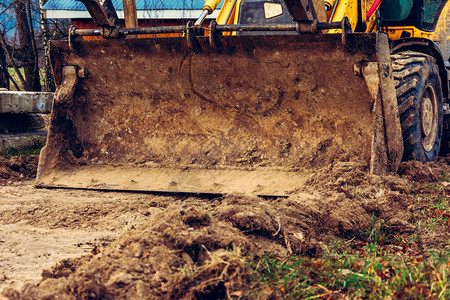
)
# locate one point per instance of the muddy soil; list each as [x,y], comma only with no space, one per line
[17,169]
[70,244]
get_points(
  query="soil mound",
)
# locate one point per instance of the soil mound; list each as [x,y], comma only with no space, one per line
[195,248]
[429,172]
[17,168]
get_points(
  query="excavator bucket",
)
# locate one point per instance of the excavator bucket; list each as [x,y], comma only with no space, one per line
[257,117]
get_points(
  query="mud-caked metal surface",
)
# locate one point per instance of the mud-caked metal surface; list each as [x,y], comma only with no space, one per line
[258,117]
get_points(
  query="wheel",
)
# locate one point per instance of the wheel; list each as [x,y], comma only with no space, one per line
[419,97]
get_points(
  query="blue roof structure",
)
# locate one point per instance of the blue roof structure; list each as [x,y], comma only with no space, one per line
[140,5]
[146,9]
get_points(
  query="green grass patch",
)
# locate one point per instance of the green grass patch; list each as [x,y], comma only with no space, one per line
[382,264]
[364,270]
[14,75]
[34,149]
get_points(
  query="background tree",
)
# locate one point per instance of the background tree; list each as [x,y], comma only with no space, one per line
[25,34]
[4,78]
[5,19]
[45,29]
[28,46]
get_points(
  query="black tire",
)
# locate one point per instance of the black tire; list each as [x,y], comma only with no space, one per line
[419,97]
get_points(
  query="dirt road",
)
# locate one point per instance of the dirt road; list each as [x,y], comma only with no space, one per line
[41,227]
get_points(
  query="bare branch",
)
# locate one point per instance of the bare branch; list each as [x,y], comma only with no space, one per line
[57,27]
[5,49]
[14,82]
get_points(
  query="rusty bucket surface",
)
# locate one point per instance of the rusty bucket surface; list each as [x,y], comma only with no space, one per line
[257,117]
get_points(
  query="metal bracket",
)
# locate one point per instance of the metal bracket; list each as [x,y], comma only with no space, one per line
[73,37]
[301,10]
[70,38]
[214,34]
[82,72]
[346,29]
[110,32]
[105,16]
[192,31]
[64,92]
[306,26]
[393,129]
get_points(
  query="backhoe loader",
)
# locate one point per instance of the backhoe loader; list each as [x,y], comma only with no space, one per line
[255,103]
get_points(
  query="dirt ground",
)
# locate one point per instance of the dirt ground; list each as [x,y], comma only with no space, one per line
[67,244]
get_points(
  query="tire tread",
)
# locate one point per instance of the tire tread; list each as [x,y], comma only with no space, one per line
[411,71]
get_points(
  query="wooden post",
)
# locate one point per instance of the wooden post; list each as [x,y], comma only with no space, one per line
[130,15]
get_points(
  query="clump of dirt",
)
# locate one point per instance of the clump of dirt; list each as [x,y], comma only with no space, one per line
[197,247]
[17,168]
[429,172]
[339,175]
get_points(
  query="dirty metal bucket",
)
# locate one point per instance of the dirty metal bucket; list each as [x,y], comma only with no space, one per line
[257,117]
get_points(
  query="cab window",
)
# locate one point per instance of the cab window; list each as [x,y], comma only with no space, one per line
[430,12]
[396,10]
